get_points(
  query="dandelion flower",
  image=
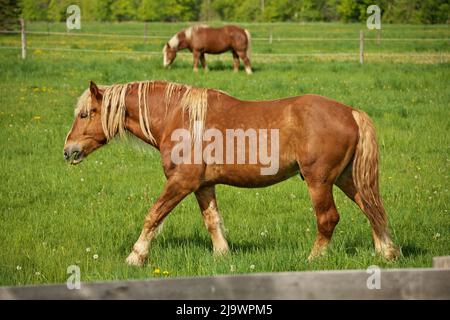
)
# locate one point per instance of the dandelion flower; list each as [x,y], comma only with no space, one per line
[166,273]
[157,271]
[19,268]
[95,256]
[88,249]
[252,267]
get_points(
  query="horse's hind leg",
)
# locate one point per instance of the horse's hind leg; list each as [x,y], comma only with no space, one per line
[174,191]
[203,61]
[381,238]
[246,60]
[206,198]
[235,61]
[326,214]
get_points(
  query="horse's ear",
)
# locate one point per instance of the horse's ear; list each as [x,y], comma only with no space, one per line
[95,90]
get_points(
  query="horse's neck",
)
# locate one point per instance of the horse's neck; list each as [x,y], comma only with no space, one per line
[156,113]
[182,41]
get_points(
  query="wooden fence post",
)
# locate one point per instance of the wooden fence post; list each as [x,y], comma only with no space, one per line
[270,35]
[24,39]
[361,47]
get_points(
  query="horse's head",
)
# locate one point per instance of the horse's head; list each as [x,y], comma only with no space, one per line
[86,134]
[169,55]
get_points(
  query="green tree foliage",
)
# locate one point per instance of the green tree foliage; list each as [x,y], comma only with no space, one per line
[9,14]
[169,10]
[124,10]
[34,9]
[393,11]
[248,10]
[224,9]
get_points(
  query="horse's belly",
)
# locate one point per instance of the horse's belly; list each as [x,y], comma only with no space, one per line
[217,49]
[249,175]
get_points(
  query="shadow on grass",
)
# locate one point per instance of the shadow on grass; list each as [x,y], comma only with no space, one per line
[203,242]
[353,247]
[212,67]
[411,250]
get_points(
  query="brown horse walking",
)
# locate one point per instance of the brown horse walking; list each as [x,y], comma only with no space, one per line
[324,141]
[203,39]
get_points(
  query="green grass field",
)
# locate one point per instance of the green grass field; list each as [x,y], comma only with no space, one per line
[54,215]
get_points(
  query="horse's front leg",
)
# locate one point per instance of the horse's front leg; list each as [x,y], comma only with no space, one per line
[196,55]
[174,191]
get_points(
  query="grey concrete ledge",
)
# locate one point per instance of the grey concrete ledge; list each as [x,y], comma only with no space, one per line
[349,284]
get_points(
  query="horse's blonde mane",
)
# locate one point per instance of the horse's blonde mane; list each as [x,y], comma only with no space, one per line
[193,101]
[188,31]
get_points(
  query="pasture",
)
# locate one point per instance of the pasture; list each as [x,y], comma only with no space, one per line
[54,215]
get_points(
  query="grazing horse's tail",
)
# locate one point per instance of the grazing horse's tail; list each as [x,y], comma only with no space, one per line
[248,52]
[365,171]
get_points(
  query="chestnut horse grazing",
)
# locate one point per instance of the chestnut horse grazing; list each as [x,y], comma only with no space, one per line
[323,141]
[203,39]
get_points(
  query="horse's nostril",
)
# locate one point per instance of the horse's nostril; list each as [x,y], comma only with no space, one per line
[66,155]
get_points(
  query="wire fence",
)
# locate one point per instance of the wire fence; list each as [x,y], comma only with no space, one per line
[166,37]
[443,56]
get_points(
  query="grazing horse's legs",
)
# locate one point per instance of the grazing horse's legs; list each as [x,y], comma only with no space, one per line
[203,61]
[246,60]
[381,238]
[174,191]
[196,55]
[206,197]
[235,62]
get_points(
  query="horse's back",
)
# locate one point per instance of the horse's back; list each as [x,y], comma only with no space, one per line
[307,117]
[219,40]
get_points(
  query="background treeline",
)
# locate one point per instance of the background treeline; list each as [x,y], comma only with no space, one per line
[393,11]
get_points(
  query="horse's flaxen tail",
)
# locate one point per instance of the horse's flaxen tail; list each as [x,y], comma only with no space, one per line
[248,52]
[365,172]
[365,179]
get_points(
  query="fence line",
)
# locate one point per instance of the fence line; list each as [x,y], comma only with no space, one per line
[112,35]
[182,53]
[186,54]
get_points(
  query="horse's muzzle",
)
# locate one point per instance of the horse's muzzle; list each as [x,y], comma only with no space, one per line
[73,153]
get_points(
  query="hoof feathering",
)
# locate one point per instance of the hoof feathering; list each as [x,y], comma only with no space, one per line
[134,260]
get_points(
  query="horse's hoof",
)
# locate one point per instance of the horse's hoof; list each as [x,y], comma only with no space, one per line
[391,253]
[134,260]
[220,252]
[316,255]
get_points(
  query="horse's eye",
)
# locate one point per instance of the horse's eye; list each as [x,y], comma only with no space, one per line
[83,115]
